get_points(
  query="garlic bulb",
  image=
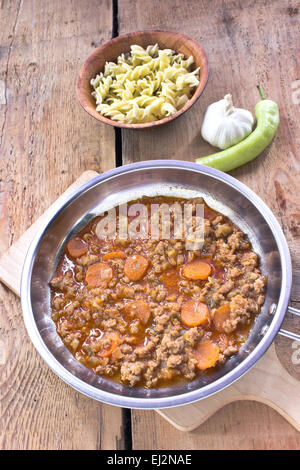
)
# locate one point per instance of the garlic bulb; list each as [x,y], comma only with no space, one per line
[224,125]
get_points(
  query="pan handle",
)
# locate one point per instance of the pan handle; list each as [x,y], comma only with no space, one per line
[290,334]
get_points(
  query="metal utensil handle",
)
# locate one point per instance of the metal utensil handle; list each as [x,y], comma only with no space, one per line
[290,334]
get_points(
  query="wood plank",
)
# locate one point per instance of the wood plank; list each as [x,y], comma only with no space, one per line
[267,382]
[243,49]
[240,425]
[46,142]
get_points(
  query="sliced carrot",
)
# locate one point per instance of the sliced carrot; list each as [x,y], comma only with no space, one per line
[113,255]
[221,315]
[206,354]
[114,339]
[138,309]
[135,267]
[76,247]
[197,269]
[194,313]
[97,273]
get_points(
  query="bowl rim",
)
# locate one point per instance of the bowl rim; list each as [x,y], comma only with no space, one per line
[188,397]
[80,82]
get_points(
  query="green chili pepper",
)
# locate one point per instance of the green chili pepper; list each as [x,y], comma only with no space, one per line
[267,117]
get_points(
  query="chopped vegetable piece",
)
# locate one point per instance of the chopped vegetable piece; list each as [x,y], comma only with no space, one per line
[206,354]
[113,255]
[97,273]
[194,313]
[136,267]
[223,341]
[114,339]
[76,247]
[197,269]
[138,309]
[221,315]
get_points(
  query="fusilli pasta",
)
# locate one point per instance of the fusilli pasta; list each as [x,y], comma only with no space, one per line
[144,85]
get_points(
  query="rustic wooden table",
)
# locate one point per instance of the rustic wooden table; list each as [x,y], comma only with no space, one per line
[47,141]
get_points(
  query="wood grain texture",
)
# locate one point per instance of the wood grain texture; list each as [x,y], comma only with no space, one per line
[267,382]
[244,48]
[46,141]
[240,425]
[12,260]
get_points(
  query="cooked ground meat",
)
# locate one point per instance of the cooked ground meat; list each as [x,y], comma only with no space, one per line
[150,312]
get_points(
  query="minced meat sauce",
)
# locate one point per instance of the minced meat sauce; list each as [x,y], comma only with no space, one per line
[150,312]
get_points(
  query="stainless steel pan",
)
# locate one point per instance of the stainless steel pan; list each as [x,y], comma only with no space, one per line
[165,177]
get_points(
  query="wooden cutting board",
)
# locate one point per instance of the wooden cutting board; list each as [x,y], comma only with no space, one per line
[267,382]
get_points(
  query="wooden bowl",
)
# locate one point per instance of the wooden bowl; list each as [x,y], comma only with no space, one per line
[111,50]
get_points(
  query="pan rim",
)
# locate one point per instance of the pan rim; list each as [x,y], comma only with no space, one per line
[188,397]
